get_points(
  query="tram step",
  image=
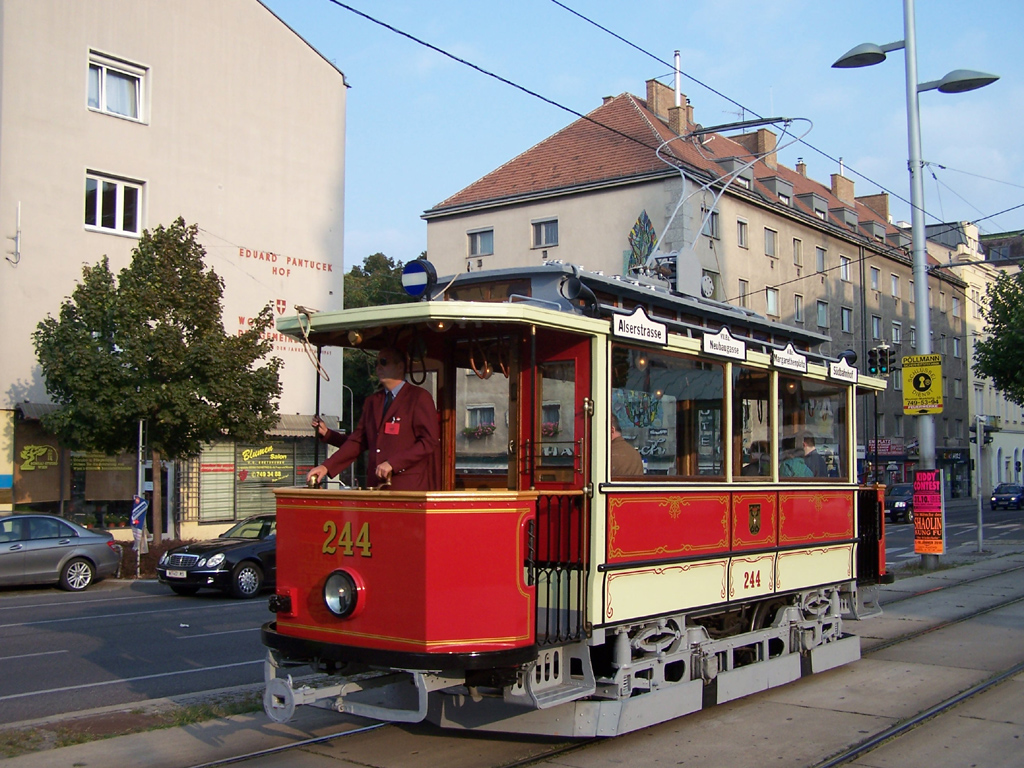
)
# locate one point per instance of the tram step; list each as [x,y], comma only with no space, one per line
[564,693]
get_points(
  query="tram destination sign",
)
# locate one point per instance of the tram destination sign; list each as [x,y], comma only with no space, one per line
[640,327]
[789,359]
[722,343]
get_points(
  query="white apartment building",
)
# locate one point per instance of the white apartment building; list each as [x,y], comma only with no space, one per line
[121,115]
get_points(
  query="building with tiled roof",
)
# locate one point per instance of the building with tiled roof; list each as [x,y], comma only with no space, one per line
[774,240]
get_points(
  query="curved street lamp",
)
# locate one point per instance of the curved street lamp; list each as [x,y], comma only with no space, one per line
[957,81]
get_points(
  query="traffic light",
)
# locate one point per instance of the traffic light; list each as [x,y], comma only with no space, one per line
[873,361]
[883,360]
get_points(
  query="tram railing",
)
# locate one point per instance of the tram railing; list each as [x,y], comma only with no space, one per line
[558,568]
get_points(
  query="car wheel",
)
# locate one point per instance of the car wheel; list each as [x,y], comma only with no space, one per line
[77,575]
[246,580]
[181,589]
[909,516]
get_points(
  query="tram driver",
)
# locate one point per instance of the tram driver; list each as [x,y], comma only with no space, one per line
[400,430]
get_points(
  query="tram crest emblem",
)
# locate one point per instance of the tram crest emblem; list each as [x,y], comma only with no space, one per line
[754,518]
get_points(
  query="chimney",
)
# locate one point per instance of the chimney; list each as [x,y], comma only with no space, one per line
[678,119]
[761,143]
[606,99]
[878,203]
[842,188]
[801,167]
[660,98]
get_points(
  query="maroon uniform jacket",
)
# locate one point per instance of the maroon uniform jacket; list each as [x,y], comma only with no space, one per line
[407,436]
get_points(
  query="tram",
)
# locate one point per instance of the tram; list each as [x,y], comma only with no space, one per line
[544,589]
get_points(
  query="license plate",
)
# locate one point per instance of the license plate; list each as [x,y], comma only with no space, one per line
[176,574]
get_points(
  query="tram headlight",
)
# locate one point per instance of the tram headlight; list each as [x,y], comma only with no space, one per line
[341,594]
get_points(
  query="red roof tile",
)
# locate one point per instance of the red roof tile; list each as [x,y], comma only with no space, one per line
[586,152]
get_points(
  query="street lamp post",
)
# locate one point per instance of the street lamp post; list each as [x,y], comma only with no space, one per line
[957,81]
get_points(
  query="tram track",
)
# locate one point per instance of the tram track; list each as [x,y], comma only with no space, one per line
[853,752]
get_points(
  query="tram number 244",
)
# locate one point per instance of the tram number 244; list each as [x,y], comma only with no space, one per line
[344,541]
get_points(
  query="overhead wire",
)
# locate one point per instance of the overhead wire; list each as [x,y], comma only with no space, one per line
[695,80]
[633,139]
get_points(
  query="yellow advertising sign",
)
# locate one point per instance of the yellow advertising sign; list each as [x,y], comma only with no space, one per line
[922,384]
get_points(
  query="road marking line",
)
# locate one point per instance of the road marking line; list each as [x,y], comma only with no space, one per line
[120,615]
[225,632]
[74,603]
[125,680]
[30,655]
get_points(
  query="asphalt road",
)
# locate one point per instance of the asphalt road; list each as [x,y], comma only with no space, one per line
[1000,525]
[127,641]
[118,642]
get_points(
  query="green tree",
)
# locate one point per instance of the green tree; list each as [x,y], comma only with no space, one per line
[151,345]
[1000,356]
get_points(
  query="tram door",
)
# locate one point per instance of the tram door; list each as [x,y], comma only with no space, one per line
[556,436]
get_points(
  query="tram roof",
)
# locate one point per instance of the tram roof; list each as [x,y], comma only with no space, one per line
[537,295]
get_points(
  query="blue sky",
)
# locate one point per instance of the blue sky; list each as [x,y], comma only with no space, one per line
[421,126]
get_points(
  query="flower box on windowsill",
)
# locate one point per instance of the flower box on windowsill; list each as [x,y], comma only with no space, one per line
[479,432]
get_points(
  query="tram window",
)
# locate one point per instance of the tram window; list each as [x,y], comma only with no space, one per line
[481,429]
[752,422]
[812,429]
[670,408]
[556,396]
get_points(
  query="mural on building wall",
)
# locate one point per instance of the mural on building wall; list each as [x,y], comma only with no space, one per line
[642,239]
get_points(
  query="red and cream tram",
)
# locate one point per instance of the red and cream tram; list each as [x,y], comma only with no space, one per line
[542,588]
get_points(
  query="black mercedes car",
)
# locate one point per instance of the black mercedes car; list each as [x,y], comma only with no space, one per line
[1007,495]
[240,562]
[899,502]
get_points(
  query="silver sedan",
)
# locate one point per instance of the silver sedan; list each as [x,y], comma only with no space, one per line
[44,549]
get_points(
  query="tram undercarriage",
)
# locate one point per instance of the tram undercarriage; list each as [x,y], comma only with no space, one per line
[644,673]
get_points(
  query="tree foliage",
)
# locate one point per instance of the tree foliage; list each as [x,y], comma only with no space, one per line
[1000,356]
[151,345]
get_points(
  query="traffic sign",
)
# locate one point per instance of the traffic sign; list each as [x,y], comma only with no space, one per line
[922,384]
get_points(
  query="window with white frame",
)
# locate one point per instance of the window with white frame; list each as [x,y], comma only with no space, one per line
[480,416]
[741,234]
[895,285]
[819,258]
[897,429]
[710,219]
[956,346]
[958,388]
[744,293]
[798,308]
[844,269]
[876,327]
[823,314]
[481,242]
[975,302]
[771,296]
[897,333]
[545,233]
[798,252]
[956,306]
[113,204]
[115,86]
[846,318]
[897,382]
[913,337]
[875,274]
[770,241]
[910,290]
